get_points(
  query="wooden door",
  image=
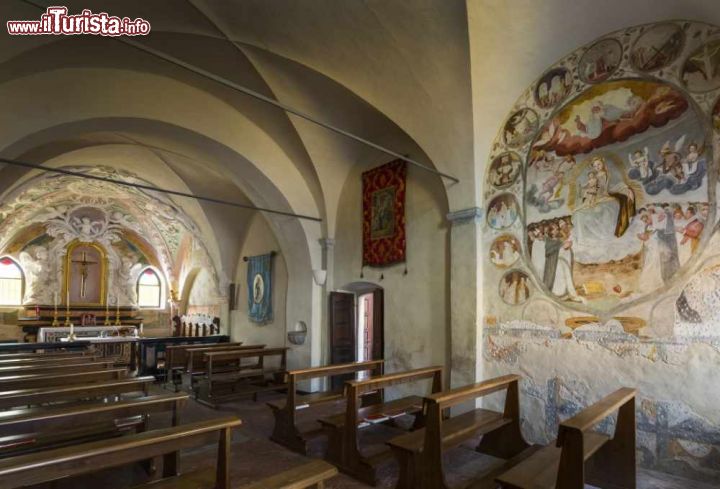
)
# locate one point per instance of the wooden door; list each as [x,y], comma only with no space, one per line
[342,332]
[378,325]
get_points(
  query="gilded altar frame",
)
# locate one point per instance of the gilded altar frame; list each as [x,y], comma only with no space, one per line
[103,272]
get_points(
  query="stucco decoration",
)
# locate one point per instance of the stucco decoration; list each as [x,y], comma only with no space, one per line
[618,182]
[137,228]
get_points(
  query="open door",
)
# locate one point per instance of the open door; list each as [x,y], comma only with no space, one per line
[342,332]
[378,325]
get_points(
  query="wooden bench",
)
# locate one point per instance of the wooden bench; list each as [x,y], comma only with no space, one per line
[343,430]
[32,429]
[196,360]
[419,453]
[42,360]
[46,354]
[221,383]
[9,382]
[57,463]
[580,455]
[69,393]
[54,368]
[176,355]
[286,431]
[312,474]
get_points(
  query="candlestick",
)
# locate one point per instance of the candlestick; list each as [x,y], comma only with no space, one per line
[107,310]
[67,310]
[117,313]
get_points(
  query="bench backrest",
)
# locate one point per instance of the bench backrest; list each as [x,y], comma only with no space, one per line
[9,382]
[436,408]
[46,354]
[54,367]
[9,362]
[57,416]
[296,376]
[357,388]
[220,358]
[42,395]
[196,358]
[617,455]
[49,465]
[176,355]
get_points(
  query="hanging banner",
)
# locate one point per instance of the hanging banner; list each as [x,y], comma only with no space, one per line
[384,214]
[259,284]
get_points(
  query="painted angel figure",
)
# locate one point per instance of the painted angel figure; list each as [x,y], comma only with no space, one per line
[691,160]
[86,227]
[640,162]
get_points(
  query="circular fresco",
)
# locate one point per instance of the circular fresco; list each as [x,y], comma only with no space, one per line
[701,71]
[657,47]
[520,127]
[505,251]
[505,169]
[600,61]
[503,211]
[616,203]
[515,287]
[553,87]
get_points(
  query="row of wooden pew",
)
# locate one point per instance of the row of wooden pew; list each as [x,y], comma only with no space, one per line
[222,372]
[67,414]
[578,456]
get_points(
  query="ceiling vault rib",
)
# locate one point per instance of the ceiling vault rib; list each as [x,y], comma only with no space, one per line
[259,96]
[61,171]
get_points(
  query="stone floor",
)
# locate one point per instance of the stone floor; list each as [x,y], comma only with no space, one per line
[254,456]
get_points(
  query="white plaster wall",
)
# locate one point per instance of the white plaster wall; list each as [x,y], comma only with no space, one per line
[260,240]
[416,304]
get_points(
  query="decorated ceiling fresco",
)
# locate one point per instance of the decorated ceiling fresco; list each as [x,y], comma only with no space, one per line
[137,228]
[601,186]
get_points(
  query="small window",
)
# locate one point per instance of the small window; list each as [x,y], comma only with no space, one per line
[11,283]
[149,289]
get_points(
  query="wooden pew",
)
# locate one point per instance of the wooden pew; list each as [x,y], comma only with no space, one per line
[47,354]
[580,455]
[53,368]
[10,382]
[31,429]
[222,383]
[176,356]
[84,458]
[286,431]
[312,474]
[9,362]
[419,453]
[69,393]
[197,362]
[343,430]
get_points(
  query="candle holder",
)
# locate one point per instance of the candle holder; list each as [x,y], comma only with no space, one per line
[107,314]
[55,322]
[117,315]
[67,316]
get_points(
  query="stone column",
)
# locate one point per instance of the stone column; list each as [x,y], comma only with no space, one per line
[466,296]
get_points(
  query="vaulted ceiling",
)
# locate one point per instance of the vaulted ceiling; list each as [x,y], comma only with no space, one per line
[395,74]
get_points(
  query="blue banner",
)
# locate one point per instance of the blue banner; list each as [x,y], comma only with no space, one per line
[259,284]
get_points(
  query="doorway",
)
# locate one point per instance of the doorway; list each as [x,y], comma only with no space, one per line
[356,325]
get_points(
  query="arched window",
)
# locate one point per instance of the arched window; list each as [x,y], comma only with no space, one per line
[11,283]
[149,289]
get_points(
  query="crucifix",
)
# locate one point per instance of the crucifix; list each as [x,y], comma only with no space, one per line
[84,263]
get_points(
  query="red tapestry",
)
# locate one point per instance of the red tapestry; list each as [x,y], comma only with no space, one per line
[384,214]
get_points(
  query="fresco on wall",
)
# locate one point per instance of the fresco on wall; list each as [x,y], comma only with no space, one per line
[657,47]
[701,72]
[503,211]
[505,169]
[553,87]
[505,251]
[600,61]
[515,287]
[520,127]
[617,203]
